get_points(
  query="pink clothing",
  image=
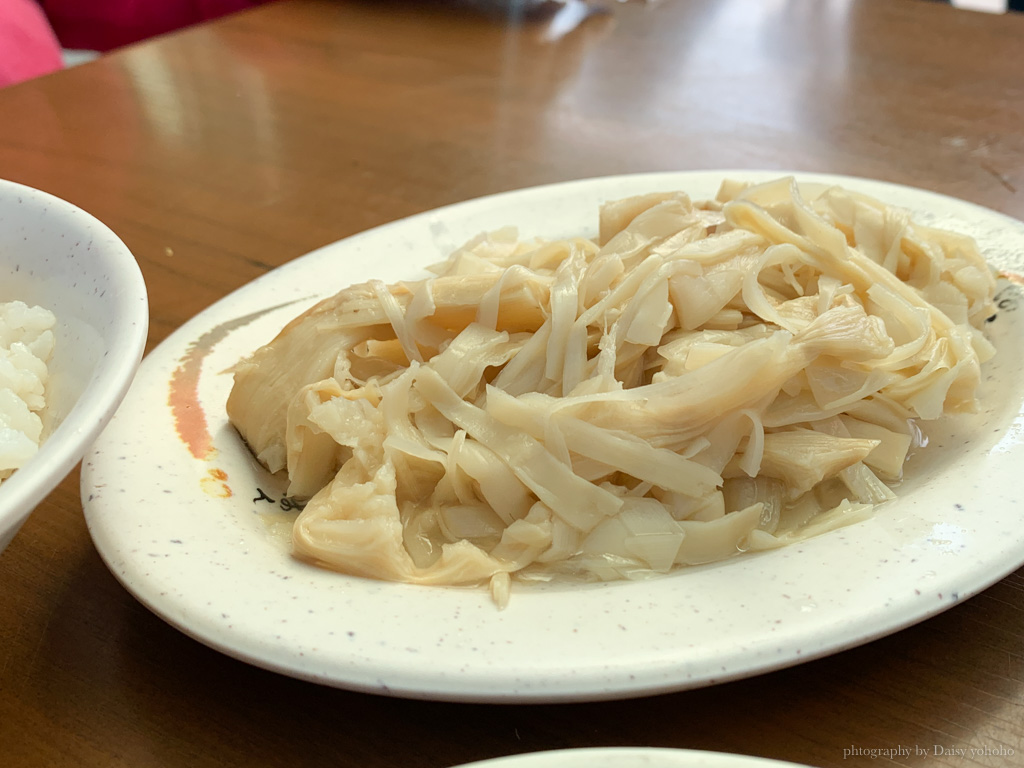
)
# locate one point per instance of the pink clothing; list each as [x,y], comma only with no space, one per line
[32,32]
[28,47]
[99,25]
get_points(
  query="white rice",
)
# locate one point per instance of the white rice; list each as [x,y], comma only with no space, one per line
[26,343]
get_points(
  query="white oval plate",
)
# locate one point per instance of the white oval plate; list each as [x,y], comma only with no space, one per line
[175,506]
[628,757]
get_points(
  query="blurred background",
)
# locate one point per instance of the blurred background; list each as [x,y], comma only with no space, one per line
[41,36]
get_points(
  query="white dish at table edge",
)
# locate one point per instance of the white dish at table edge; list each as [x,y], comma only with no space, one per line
[627,757]
[211,566]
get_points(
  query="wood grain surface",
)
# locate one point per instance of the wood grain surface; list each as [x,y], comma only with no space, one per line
[222,151]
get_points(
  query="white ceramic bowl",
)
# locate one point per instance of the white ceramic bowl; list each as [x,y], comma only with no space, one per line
[59,257]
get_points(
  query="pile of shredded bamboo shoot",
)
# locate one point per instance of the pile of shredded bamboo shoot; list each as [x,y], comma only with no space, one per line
[705,379]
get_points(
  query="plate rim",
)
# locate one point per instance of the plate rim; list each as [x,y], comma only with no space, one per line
[659,756]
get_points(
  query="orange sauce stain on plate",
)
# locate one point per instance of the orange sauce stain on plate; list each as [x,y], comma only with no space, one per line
[214,483]
[1013,277]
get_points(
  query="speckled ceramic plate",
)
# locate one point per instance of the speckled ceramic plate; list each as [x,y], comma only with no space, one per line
[628,757]
[193,528]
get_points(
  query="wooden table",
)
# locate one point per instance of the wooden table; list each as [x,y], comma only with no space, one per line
[226,150]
